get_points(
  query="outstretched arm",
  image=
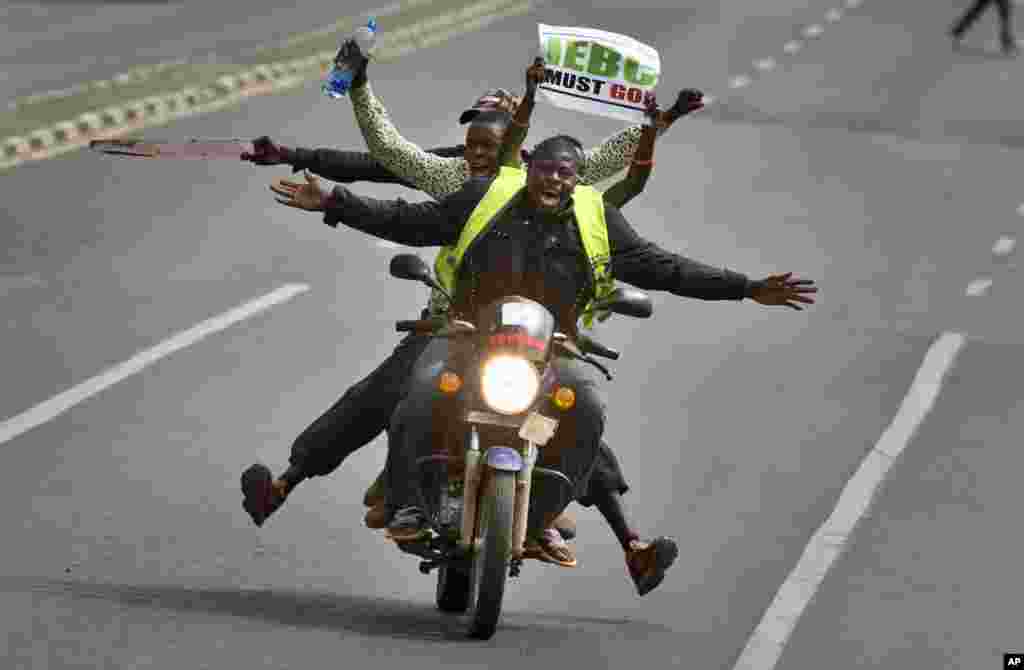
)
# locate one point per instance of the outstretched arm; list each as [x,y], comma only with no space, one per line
[337,165]
[422,224]
[645,265]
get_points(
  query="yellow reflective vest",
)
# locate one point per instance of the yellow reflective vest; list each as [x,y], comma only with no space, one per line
[588,210]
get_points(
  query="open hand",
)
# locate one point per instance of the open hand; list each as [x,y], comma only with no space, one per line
[534,75]
[267,152]
[784,290]
[308,196]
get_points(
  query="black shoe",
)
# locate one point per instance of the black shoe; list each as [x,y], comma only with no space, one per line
[260,499]
[648,563]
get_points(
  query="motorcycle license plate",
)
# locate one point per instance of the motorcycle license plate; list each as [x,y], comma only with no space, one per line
[538,429]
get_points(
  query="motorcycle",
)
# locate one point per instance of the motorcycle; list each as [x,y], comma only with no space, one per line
[474,490]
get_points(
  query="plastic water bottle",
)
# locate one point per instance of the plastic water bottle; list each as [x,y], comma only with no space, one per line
[350,55]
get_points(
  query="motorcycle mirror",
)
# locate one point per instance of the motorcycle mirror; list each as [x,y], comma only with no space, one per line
[410,266]
[629,302]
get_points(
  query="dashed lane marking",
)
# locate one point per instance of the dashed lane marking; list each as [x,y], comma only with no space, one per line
[62,402]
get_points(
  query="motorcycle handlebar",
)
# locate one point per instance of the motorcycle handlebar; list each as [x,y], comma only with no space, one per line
[602,351]
[589,346]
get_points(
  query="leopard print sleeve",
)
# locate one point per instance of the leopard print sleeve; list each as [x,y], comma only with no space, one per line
[611,156]
[435,175]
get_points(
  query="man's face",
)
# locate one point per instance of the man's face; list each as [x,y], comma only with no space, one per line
[482,145]
[551,177]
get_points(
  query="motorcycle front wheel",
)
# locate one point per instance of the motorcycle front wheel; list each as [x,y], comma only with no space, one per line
[491,560]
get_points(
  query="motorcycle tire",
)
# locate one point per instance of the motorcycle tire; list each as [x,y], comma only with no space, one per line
[491,562]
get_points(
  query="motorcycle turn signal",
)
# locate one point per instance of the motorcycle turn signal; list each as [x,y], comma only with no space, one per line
[449,382]
[563,398]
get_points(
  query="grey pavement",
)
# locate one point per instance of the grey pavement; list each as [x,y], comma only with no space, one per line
[50,45]
[125,542]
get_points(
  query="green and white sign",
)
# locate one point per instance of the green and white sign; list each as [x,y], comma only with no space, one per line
[597,72]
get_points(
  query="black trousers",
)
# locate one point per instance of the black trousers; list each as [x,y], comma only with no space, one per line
[975,11]
[365,410]
[424,414]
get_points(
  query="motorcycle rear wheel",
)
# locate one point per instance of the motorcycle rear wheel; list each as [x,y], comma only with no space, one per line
[491,562]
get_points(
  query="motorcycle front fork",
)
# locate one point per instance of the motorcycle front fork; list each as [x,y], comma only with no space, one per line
[471,489]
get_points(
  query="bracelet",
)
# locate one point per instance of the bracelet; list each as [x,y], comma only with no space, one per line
[644,163]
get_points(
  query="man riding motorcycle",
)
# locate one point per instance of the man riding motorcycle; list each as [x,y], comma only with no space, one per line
[570,250]
[362,413]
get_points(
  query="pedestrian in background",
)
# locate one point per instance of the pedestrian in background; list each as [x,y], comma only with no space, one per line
[1005,23]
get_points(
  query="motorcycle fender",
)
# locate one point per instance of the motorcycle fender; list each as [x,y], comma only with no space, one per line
[504,458]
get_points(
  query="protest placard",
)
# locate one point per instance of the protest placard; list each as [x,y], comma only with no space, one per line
[597,72]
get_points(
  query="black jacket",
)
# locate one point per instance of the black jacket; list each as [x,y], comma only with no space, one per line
[541,261]
[347,167]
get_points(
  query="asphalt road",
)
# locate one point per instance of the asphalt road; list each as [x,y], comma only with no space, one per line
[125,542]
[50,45]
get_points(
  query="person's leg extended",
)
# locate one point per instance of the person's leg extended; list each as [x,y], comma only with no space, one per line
[351,423]
[418,427]
[647,562]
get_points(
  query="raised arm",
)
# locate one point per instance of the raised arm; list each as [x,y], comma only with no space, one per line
[511,150]
[431,174]
[632,185]
[611,156]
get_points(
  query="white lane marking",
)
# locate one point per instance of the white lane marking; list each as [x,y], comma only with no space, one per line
[739,82]
[833,15]
[979,286]
[62,402]
[813,30]
[765,64]
[768,640]
[792,46]
[1003,246]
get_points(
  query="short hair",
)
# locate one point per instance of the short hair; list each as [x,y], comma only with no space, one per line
[558,142]
[492,117]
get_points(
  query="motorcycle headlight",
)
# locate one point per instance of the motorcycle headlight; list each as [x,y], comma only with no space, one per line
[509,384]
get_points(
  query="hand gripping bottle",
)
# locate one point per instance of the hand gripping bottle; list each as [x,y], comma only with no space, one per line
[351,53]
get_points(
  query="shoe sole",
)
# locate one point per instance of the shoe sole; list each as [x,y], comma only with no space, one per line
[407,536]
[538,553]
